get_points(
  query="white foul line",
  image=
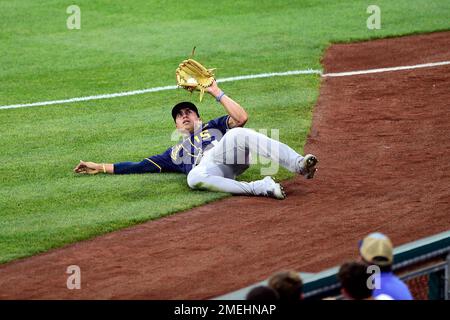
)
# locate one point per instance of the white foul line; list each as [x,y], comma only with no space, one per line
[272,74]
[417,66]
[102,96]
[246,77]
[156,89]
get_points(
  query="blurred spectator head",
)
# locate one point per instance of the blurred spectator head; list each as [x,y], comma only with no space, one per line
[377,249]
[288,284]
[262,293]
[353,277]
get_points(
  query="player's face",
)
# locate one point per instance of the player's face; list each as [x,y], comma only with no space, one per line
[186,120]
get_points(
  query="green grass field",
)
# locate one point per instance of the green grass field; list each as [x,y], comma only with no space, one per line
[136,45]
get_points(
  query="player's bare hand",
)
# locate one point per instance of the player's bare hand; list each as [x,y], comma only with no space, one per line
[86,167]
[213,89]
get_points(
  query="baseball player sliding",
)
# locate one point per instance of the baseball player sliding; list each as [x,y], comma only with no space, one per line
[213,154]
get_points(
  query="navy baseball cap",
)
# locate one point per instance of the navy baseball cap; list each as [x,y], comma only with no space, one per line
[183,105]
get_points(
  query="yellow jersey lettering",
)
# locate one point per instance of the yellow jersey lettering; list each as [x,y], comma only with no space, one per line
[205,135]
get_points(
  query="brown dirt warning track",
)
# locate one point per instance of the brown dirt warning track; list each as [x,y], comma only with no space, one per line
[383,141]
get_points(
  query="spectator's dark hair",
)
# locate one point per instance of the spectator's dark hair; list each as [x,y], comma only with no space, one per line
[262,293]
[353,277]
[376,261]
[288,284]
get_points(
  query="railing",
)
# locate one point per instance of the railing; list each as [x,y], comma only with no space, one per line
[423,264]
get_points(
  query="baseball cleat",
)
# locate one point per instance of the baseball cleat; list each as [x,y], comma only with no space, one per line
[274,190]
[308,166]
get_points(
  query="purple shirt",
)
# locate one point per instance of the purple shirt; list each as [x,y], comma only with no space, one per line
[392,286]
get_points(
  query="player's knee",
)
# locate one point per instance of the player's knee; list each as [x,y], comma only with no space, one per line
[238,137]
[239,131]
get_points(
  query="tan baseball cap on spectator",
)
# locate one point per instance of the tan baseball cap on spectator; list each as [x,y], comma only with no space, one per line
[377,248]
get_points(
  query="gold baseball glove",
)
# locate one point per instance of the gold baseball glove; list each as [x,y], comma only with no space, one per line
[192,75]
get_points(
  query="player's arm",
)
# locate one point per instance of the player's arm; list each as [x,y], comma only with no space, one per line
[145,166]
[238,116]
[88,167]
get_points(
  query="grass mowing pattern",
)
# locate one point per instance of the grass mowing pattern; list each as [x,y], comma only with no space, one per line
[136,45]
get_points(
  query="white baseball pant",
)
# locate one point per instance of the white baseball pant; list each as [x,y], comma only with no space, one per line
[230,157]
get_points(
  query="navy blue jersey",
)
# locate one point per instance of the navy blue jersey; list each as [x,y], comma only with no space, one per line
[182,156]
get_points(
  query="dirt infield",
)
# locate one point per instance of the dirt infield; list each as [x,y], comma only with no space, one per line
[383,141]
